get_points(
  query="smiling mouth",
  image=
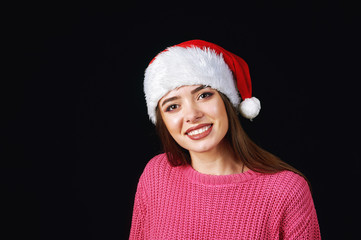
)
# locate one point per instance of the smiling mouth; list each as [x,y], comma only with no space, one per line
[199,131]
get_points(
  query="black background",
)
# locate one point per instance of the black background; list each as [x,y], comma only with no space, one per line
[76,134]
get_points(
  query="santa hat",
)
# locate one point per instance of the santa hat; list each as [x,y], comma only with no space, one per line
[198,62]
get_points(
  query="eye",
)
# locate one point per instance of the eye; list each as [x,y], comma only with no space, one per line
[171,107]
[205,95]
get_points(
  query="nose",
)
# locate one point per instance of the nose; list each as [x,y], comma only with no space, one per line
[192,113]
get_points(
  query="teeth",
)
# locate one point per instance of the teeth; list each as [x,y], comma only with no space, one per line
[198,131]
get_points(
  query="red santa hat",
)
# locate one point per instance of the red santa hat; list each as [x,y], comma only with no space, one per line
[198,62]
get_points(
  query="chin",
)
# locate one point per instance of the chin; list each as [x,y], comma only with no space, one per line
[202,147]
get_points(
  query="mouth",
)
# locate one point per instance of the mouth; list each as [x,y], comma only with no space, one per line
[200,131]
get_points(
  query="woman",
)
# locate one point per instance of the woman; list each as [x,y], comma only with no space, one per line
[213,182]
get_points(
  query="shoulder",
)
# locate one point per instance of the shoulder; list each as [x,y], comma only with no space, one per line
[290,188]
[157,167]
[285,184]
[157,163]
[289,180]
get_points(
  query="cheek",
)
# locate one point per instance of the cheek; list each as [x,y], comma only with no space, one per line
[173,124]
[218,111]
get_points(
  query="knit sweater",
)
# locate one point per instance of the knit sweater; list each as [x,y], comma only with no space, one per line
[181,203]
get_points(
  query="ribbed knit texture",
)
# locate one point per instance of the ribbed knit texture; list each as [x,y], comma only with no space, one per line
[181,203]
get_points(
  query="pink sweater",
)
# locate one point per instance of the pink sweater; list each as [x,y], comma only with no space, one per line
[181,203]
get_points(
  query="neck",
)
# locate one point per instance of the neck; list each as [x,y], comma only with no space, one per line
[219,161]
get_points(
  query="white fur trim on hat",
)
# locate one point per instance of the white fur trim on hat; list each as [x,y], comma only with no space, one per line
[179,66]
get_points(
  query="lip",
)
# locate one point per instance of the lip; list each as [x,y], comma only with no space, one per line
[200,135]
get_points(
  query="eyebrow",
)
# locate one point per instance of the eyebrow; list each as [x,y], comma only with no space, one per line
[198,89]
[169,100]
[177,97]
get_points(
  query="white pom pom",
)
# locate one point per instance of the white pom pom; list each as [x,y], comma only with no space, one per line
[250,107]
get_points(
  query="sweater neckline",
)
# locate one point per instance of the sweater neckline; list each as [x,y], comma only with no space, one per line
[208,179]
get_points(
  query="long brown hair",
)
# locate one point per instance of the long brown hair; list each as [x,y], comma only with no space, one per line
[253,156]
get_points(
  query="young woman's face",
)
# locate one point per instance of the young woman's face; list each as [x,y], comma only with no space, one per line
[195,116]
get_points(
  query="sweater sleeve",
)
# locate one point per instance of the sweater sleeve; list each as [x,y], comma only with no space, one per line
[300,219]
[139,212]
